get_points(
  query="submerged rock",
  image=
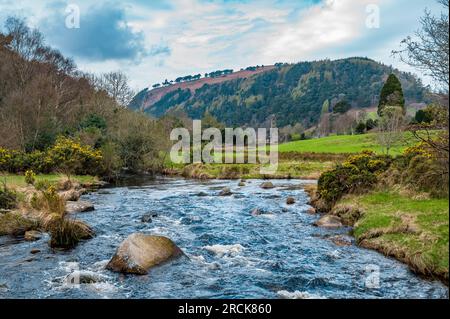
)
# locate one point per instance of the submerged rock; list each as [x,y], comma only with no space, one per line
[139,252]
[342,240]
[79,207]
[34,251]
[147,218]
[256,212]
[267,185]
[84,277]
[241,184]
[225,192]
[32,235]
[329,221]
[290,200]
[202,194]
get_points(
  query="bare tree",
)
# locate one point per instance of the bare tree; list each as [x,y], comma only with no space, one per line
[428,49]
[116,85]
[390,127]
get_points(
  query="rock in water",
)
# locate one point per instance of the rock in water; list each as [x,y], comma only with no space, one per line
[139,252]
[329,221]
[32,235]
[290,200]
[225,192]
[79,207]
[267,185]
[241,184]
[147,218]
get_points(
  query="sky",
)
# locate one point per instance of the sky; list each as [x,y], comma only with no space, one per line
[155,40]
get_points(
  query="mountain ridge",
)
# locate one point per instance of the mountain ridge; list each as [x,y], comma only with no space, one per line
[293,93]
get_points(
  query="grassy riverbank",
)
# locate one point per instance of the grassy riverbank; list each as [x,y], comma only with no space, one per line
[411,228]
[15,180]
[286,170]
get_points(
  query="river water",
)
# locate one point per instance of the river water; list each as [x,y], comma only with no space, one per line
[231,253]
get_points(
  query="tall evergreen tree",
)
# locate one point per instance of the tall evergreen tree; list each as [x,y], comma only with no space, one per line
[391,94]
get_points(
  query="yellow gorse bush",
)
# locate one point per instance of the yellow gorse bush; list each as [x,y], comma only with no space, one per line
[418,149]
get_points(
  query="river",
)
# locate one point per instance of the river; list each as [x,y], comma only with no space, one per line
[231,253]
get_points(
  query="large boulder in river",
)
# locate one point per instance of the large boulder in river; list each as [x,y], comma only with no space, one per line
[267,185]
[329,221]
[139,252]
[79,207]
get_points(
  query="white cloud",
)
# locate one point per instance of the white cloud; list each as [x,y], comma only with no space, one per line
[208,35]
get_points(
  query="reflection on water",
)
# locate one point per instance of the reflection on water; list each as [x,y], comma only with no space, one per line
[232,253]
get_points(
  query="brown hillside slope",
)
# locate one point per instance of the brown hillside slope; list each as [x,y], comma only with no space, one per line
[155,95]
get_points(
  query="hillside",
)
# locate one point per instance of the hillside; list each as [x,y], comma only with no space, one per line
[293,93]
[147,98]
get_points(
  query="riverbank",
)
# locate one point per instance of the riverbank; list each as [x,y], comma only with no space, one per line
[289,169]
[411,228]
[33,206]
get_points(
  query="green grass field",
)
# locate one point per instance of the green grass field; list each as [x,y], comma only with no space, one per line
[13,180]
[342,144]
[415,230]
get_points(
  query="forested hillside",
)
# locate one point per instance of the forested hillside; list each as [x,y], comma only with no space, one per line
[293,93]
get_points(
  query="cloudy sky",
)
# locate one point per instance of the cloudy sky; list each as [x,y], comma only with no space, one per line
[157,39]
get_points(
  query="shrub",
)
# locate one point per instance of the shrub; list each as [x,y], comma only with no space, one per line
[30,177]
[360,128]
[42,185]
[48,201]
[71,157]
[356,175]
[65,232]
[8,198]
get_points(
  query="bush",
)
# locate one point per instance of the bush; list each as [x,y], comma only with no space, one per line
[419,169]
[65,232]
[8,198]
[42,185]
[360,128]
[48,201]
[71,157]
[30,177]
[356,175]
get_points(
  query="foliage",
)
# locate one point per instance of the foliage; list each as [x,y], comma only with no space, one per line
[420,170]
[423,116]
[71,157]
[48,201]
[356,175]
[360,128]
[391,95]
[8,198]
[341,107]
[371,124]
[390,127]
[30,177]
